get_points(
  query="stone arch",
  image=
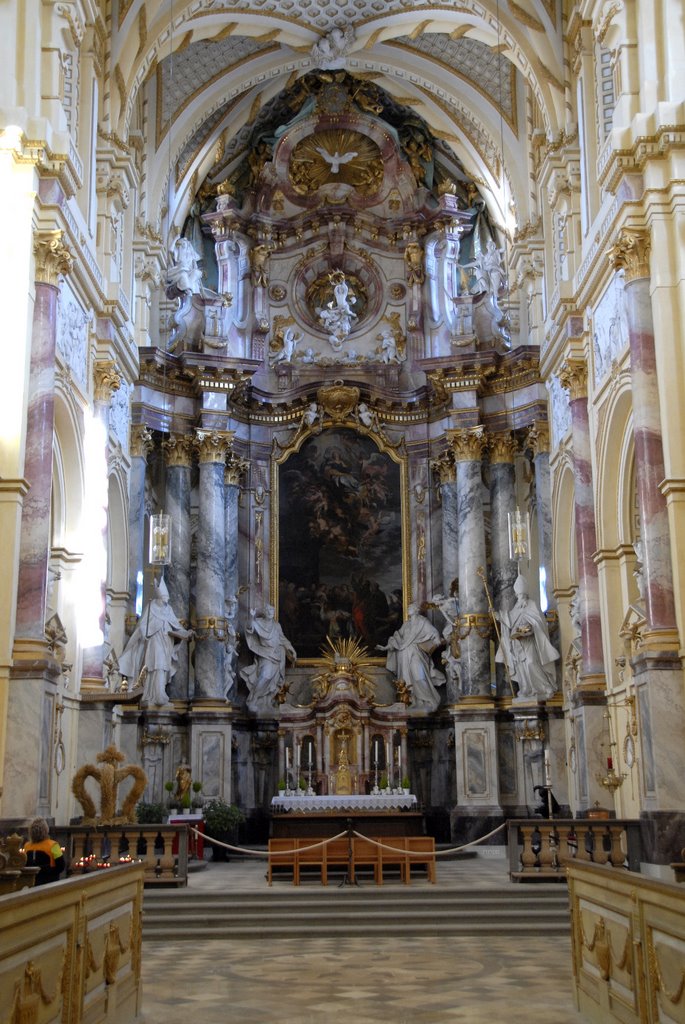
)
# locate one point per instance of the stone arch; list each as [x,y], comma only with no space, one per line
[615,455]
[68,479]
[564,569]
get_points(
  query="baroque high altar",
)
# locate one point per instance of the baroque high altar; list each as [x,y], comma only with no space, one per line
[339,418]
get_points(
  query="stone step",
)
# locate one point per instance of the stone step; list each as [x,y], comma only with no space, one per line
[374,910]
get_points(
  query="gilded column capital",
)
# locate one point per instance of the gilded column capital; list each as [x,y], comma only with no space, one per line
[445,467]
[630,252]
[141,441]
[235,467]
[179,449]
[53,257]
[106,379]
[502,446]
[538,437]
[213,445]
[573,377]
[467,445]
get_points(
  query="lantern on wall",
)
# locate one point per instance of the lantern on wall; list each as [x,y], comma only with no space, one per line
[160,539]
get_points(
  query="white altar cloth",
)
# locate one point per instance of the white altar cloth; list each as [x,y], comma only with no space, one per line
[379,802]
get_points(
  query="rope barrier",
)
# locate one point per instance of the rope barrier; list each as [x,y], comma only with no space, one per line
[438,853]
[341,835]
[265,853]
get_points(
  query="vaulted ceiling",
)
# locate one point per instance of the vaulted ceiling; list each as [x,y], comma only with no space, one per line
[195,75]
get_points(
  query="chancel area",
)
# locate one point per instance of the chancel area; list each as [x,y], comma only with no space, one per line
[341,414]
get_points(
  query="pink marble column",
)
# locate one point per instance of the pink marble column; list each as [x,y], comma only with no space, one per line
[52,259]
[573,377]
[631,254]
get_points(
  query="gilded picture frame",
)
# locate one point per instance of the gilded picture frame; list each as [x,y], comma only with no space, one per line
[340,537]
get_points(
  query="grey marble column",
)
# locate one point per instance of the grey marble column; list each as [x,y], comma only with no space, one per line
[538,440]
[502,502]
[504,569]
[178,452]
[474,620]
[140,447]
[210,632]
[235,467]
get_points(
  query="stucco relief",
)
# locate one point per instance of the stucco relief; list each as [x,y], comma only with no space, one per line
[560,409]
[72,335]
[609,327]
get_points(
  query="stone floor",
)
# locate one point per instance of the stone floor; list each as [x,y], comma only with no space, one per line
[357,980]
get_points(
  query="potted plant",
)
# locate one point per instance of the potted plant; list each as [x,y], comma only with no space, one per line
[384,782]
[150,814]
[405,785]
[185,803]
[280,786]
[221,822]
[172,802]
[197,799]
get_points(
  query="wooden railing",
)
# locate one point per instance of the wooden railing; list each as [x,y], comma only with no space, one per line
[162,849]
[542,848]
[628,937]
[70,951]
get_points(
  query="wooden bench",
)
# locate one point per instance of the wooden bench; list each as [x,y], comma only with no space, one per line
[404,852]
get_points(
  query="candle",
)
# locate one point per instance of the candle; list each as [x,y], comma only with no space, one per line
[375,750]
[287,759]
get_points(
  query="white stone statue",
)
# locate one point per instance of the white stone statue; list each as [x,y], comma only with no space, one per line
[388,347]
[337,316]
[336,160]
[150,654]
[331,50]
[270,646]
[184,273]
[286,353]
[526,649]
[488,271]
[409,650]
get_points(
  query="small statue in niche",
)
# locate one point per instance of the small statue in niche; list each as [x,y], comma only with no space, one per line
[258,260]
[526,649]
[413,261]
[389,351]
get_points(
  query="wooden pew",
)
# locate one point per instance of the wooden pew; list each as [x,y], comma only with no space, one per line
[284,853]
[421,845]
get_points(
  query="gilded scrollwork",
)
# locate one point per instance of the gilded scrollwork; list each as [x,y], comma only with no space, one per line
[336,156]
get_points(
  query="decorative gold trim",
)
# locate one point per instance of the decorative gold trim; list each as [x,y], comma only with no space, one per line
[141,443]
[53,257]
[630,252]
[179,449]
[502,447]
[467,445]
[538,437]
[282,454]
[573,378]
[213,445]
[106,379]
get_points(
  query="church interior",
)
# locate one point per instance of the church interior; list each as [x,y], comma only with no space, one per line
[340,419]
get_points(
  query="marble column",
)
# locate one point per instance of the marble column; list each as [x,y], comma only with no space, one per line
[52,259]
[446,470]
[178,453]
[503,451]
[573,377]
[106,380]
[141,445]
[474,620]
[210,632]
[538,441]
[504,570]
[234,469]
[631,254]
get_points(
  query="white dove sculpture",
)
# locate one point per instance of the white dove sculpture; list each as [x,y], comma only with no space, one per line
[336,159]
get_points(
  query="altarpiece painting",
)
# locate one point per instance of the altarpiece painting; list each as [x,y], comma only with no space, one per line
[339,542]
